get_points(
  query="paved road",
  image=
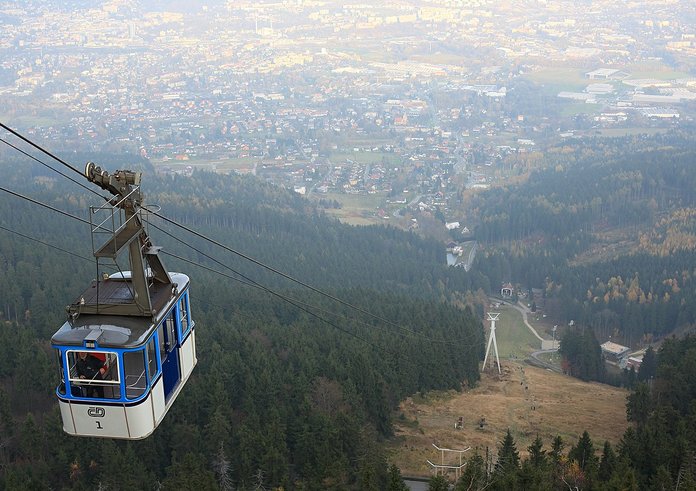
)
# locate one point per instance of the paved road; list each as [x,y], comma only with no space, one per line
[414,485]
[524,311]
[543,363]
[470,258]
[546,344]
[397,213]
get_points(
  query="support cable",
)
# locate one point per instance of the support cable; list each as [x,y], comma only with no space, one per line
[39,148]
[298,306]
[250,282]
[194,232]
[49,167]
[276,271]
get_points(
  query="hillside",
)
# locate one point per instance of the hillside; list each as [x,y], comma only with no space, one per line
[286,393]
[527,400]
[299,397]
[605,230]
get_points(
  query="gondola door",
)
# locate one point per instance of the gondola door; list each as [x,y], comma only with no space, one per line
[169,353]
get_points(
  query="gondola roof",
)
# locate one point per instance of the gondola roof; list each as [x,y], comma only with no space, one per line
[116,331]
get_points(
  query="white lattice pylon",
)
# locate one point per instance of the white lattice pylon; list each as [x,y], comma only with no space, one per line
[492,316]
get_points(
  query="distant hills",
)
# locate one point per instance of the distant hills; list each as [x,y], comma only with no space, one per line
[599,217]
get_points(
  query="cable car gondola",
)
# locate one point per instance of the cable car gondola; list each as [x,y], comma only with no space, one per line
[128,345]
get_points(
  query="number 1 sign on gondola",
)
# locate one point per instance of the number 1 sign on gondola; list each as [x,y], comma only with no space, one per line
[128,345]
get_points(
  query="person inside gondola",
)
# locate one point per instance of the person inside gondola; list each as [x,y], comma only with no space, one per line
[90,367]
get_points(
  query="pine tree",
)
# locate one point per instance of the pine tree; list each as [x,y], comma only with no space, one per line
[505,475]
[438,483]
[190,474]
[217,430]
[662,480]
[396,482]
[31,440]
[223,469]
[584,454]
[537,456]
[474,475]
[508,456]
[534,471]
[648,367]
[623,478]
[557,450]
[607,462]
[639,404]
[259,481]
[6,420]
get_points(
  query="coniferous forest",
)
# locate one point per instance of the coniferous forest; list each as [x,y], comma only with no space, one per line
[282,396]
[607,234]
[302,398]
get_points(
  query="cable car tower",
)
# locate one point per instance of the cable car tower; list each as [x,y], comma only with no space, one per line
[493,317]
[128,345]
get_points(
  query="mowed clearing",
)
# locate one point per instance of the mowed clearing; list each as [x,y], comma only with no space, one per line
[525,399]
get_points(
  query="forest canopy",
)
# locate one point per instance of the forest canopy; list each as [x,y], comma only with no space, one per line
[607,233]
[281,396]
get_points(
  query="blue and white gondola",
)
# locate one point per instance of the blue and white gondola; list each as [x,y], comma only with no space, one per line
[129,345]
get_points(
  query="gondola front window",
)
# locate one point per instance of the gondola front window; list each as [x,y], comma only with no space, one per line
[94,374]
